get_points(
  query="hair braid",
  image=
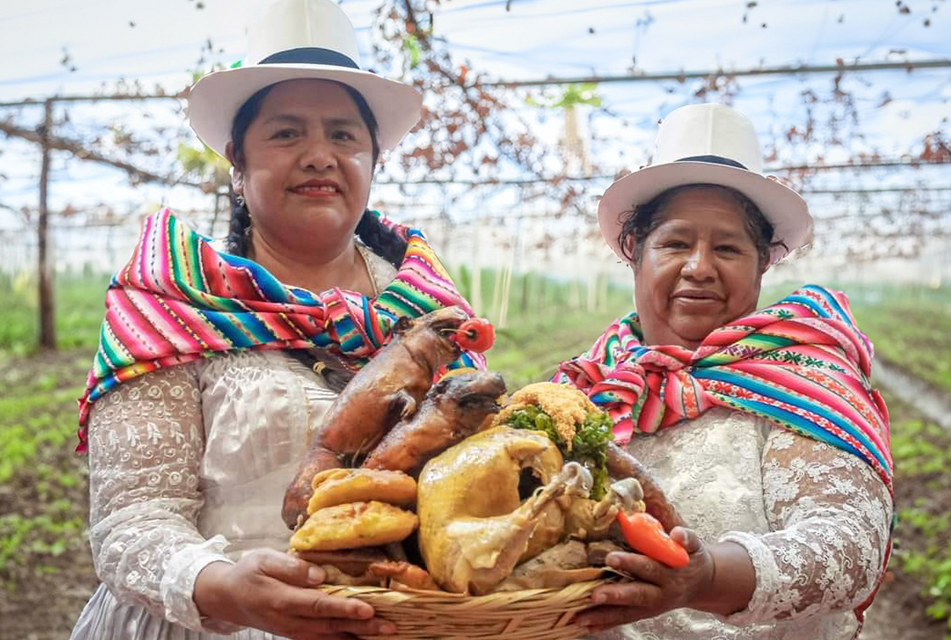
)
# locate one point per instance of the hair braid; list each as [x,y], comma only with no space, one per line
[238,240]
[383,241]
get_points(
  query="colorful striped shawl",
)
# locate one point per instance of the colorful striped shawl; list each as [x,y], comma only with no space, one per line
[178,299]
[800,363]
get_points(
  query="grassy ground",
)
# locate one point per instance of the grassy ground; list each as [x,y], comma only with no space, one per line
[916,339]
[78,303]
[46,572]
[915,600]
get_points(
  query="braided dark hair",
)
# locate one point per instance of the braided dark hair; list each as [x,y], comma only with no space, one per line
[384,242]
[639,223]
[240,227]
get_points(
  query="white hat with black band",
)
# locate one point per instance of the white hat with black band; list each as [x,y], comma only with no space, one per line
[299,39]
[709,144]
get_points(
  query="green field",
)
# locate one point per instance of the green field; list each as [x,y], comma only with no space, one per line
[45,569]
[79,304]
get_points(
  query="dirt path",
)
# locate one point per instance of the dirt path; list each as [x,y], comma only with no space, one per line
[897,614]
[932,402]
[43,591]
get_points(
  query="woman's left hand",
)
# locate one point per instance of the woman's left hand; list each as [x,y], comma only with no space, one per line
[656,588]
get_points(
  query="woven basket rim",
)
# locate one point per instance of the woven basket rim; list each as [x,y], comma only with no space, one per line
[525,614]
[453,598]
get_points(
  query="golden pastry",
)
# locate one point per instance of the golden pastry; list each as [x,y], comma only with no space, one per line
[340,486]
[354,525]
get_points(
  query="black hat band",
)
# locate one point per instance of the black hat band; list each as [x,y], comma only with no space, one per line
[311,55]
[713,159]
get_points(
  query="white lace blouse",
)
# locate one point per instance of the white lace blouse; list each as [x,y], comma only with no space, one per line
[815,521]
[188,466]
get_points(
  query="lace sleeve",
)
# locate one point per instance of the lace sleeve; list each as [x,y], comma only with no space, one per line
[145,447]
[830,515]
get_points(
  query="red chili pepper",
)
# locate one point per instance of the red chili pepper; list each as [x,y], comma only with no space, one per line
[644,533]
[475,334]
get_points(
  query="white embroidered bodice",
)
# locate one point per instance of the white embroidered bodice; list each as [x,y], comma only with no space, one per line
[815,521]
[188,466]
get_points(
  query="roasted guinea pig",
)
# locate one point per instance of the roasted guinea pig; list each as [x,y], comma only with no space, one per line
[382,393]
[474,527]
[453,409]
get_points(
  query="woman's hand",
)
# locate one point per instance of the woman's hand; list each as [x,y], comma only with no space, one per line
[658,588]
[275,592]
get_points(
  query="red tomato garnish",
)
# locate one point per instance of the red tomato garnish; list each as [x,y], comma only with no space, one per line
[475,334]
[644,533]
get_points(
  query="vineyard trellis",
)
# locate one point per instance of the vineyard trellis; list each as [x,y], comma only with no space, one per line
[474,137]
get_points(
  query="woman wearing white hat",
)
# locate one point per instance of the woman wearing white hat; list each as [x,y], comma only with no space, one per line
[202,396]
[760,425]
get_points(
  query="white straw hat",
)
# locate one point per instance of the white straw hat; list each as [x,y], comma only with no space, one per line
[709,144]
[299,39]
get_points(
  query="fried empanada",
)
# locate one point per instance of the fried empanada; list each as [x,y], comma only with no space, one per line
[340,486]
[354,525]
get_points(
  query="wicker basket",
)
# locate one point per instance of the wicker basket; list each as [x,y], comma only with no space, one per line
[531,614]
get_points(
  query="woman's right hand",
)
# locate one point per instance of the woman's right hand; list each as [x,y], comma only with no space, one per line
[275,592]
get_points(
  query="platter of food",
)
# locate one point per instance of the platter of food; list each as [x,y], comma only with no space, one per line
[458,511]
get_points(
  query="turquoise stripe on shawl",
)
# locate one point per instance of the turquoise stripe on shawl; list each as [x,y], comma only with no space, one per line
[768,390]
[791,419]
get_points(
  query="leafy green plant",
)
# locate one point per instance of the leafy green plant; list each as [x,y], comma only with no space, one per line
[23,538]
[922,453]
[571,95]
[79,304]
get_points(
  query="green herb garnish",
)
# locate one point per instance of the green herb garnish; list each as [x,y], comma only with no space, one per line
[588,447]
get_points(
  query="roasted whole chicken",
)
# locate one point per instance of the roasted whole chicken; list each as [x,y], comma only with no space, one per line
[454,409]
[480,519]
[474,526]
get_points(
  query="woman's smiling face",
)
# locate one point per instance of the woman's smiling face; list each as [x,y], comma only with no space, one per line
[698,270]
[307,166]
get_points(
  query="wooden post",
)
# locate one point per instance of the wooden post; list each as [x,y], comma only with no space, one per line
[497,291]
[47,313]
[526,291]
[603,297]
[506,292]
[592,302]
[475,294]
[214,218]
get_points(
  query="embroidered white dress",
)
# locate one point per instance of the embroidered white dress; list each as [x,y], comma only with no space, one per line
[814,520]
